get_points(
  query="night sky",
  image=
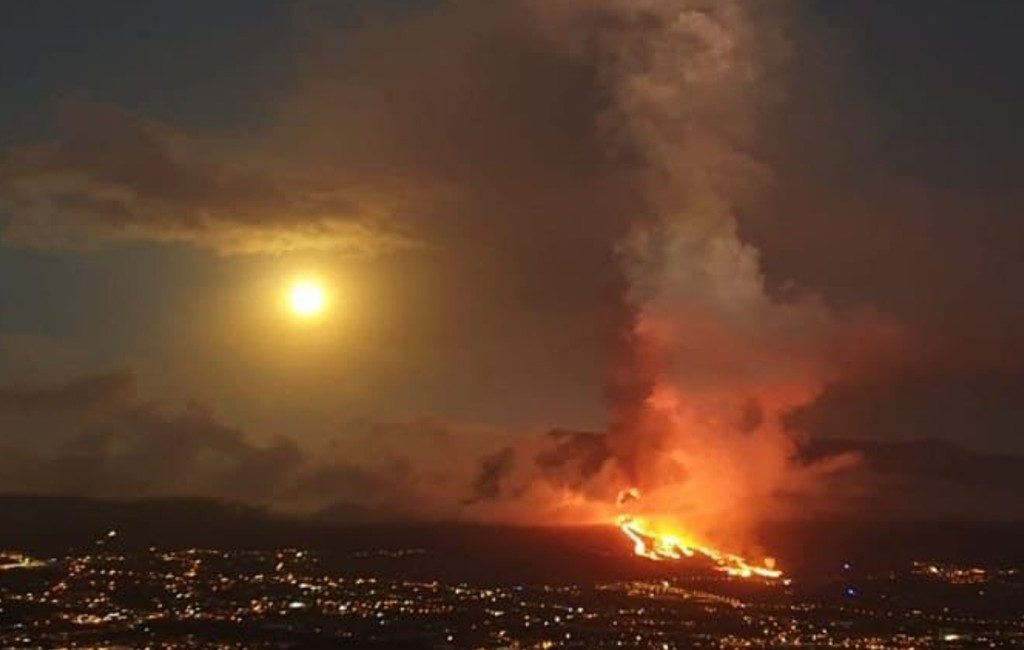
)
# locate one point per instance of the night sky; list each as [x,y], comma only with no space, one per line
[450,174]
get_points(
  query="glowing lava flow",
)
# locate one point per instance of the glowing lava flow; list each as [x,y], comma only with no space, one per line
[654,545]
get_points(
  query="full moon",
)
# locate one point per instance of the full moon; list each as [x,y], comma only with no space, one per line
[307,298]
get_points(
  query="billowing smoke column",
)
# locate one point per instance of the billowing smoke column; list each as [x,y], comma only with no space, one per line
[710,359]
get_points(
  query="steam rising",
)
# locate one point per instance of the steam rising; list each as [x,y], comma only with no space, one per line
[711,360]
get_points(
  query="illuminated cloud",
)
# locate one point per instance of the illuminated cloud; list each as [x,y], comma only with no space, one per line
[112,175]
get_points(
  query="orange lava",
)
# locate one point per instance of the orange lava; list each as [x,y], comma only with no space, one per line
[660,543]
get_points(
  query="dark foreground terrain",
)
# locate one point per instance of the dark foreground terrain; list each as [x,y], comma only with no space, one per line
[182,573]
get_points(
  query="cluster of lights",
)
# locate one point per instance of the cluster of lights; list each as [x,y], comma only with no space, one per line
[290,590]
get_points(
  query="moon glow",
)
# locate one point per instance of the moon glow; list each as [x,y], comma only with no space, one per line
[307,299]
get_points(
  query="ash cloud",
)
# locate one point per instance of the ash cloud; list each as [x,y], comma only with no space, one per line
[571,458]
[493,471]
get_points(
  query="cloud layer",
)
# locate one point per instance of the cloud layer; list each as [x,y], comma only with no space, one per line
[114,175]
[95,436]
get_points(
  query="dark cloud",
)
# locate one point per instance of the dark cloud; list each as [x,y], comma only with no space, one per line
[953,399]
[94,437]
[114,175]
[494,469]
[572,457]
[98,391]
[922,479]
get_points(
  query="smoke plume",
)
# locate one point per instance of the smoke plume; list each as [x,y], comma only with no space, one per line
[711,360]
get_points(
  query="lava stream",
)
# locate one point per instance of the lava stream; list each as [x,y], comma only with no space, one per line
[654,545]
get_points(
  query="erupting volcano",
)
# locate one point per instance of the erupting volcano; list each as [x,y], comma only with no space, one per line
[710,357]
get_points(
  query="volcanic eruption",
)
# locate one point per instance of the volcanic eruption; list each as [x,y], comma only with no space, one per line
[710,358]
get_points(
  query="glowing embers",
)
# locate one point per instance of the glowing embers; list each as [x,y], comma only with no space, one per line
[658,545]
